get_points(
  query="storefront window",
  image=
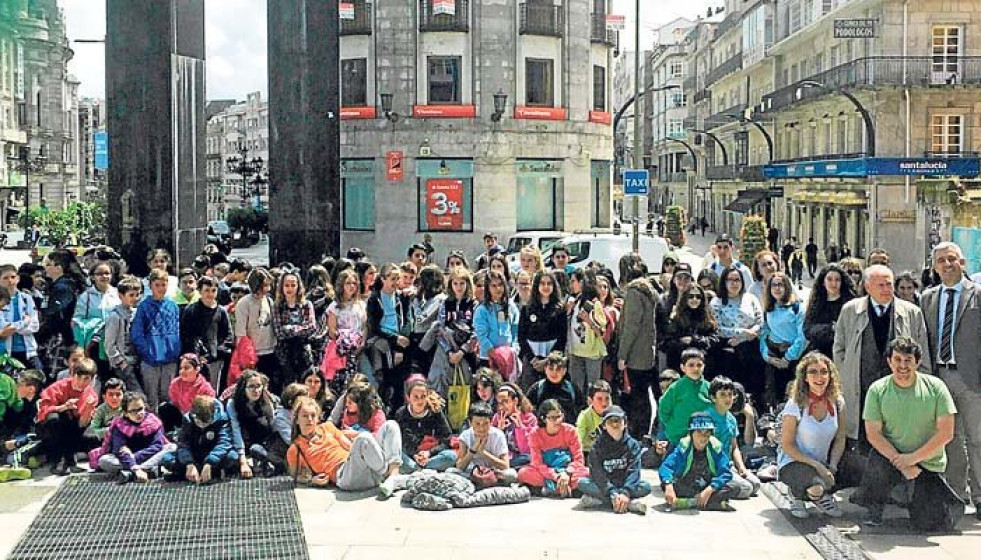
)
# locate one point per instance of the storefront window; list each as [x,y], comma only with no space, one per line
[358,194]
[539,195]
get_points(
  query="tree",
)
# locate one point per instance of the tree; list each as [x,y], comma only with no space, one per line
[71,226]
[241,219]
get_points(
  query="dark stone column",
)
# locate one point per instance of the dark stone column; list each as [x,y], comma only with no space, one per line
[304,131]
[156,97]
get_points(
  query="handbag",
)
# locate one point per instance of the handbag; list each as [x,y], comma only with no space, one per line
[457,399]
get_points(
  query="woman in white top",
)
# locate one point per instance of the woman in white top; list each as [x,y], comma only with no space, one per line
[740,318]
[812,439]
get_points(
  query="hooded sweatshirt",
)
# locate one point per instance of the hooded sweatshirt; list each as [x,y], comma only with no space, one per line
[210,445]
[614,465]
[156,331]
[182,392]
[683,398]
[679,463]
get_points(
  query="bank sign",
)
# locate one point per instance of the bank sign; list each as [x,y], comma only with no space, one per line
[866,167]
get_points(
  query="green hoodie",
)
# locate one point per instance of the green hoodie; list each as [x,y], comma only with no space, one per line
[683,398]
[8,395]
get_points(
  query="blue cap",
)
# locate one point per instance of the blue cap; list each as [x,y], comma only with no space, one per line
[700,421]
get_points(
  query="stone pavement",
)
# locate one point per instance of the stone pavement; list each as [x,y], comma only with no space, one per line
[358,526]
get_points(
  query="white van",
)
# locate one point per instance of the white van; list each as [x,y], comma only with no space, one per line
[607,248]
[541,239]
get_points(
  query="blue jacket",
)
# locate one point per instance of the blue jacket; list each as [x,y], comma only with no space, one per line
[679,462]
[26,325]
[209,445]
[156,332]
[493,333]
[784,324]
[614,465]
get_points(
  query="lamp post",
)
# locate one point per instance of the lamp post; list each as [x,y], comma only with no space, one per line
[866,117]
[386,107]
[725,154]
[757,126]
[25,164]
[500,104]
[241,164]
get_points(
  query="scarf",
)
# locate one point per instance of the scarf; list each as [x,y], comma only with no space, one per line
[813,400]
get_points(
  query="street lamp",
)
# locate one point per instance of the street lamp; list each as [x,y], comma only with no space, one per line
[725,154]
[757,126]
[241,164]
[386,105]
[500,103]
[629,102]
[24,164]
[866,117]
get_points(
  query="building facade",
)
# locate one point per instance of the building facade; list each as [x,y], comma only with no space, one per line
[92,175]
[460,117]
[12,134]
[236,130]
[850,122]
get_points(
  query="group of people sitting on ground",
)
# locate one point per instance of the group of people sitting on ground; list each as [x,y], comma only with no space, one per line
[567,381]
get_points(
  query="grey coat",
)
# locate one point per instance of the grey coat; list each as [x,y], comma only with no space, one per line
[636,331]
[967,331]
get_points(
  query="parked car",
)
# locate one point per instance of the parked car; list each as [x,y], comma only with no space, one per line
[221,235]
[541,239]
[43,246]
[607,248]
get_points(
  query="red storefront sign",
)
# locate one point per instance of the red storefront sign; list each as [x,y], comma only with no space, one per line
[444,204]
[540,113]
[357,113]
[444,111]
[393,168]
[601,117]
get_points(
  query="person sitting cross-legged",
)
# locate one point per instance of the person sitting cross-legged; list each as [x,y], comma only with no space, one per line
[698,473]
[614,469]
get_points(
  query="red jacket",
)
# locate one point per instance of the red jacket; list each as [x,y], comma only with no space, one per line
[60,392]
[182,392]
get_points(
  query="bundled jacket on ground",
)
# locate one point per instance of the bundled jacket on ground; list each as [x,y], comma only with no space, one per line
[679,463]
[614,465]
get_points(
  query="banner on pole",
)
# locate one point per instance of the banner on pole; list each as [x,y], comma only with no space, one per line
[394,171]
[346,10]
[617,22]
[447,7]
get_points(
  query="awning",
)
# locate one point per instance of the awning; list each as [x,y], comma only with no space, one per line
[745,201]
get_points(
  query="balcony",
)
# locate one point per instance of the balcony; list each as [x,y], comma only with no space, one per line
[600,33]
[538,19]
[722,117]
[728,67]
[877,71]
[702,95]
[675,177]
[745,173]
[690,122]
[950,155]
[429,21]
[361,24]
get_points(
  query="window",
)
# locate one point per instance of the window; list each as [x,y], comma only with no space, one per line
[599,88]
[354,82]
[444,79]
[946,49]
[946,133]
[540,201]
[679,100]
[358,194]
[538,82]
[677,69]
[842,136]
[676,128]
[827,136]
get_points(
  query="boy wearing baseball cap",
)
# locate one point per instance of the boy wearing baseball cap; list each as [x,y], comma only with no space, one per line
[698,472]
[614,467]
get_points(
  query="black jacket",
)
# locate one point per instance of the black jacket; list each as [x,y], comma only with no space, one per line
[539,324]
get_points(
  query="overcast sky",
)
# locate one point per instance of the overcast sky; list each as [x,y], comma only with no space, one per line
[236,39]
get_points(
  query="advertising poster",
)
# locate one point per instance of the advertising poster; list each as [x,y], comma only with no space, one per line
[444,204]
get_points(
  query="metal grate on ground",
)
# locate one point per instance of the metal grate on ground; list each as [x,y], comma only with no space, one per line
[239,519]
[826,539]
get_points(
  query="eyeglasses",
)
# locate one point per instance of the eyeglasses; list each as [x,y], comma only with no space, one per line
[254,387]
[140,410]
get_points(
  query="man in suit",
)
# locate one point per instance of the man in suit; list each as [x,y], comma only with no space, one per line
[865,326]
[953,319]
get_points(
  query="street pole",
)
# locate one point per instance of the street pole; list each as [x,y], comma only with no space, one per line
[638,117]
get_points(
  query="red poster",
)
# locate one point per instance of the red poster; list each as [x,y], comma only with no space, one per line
[394,166]
[444,204]
[601,117]
[444,111]
[357,113]
[540,113]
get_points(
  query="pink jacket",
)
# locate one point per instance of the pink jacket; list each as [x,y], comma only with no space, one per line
[567,438]
[518,434]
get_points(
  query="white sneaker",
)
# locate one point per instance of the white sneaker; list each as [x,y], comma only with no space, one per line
[637,506]
[827,505]
[798,508]
[590,502]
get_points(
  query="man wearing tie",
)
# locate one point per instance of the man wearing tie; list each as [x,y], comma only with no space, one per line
[953,319]
[865,326]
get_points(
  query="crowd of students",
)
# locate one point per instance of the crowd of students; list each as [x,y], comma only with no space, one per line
[566,380]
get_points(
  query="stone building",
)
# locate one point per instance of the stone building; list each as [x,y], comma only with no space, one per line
[12,134]
[899,181]
[91,123]
[242,130]
[461,117]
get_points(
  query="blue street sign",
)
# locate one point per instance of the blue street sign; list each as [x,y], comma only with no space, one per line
[635,182]
[101,141]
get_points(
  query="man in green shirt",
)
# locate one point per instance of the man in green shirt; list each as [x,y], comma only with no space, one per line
[909,418]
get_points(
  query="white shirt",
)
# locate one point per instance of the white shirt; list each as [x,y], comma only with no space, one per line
[813,438]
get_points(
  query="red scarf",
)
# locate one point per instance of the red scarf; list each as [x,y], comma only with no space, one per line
[813,400]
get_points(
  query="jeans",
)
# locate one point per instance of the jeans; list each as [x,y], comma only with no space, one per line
[111,464]
[128,376]
[156,382]
[370,459]
[62,436]
[438,462]
[590,488]
[799,477]
[583,371]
